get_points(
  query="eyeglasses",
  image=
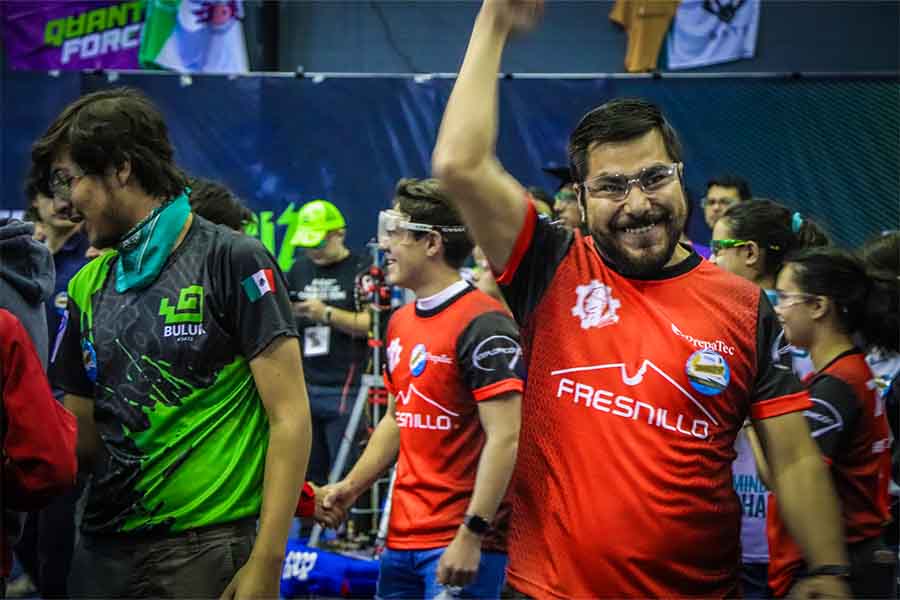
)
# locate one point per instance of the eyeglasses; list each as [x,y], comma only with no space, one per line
[565,196]
[723,202]
[62,182]
[718,245]
[396,227]
[616,187]
[788,299]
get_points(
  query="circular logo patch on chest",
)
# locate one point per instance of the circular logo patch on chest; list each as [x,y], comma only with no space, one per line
[708,372]
[418,359]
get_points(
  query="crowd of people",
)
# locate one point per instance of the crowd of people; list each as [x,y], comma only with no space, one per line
[606,409]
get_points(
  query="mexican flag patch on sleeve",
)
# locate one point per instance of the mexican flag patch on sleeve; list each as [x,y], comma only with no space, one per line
[259,284]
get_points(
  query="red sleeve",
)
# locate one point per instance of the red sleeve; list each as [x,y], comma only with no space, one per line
[775,407]
[39,446]
[521,246]
[306,504]
[495,389]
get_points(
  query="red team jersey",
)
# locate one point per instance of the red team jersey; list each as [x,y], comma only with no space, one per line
[441,364]
[848,421]
[636,391]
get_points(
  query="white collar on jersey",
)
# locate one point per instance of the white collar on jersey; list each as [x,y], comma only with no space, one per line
[432,302]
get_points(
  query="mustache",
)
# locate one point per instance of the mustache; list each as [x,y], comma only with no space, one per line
[651,217]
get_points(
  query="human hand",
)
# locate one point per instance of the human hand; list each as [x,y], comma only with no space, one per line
[337,498]
[330,517]
[821,586]
[514,16]
[258,578]
[312,309]
[459,562]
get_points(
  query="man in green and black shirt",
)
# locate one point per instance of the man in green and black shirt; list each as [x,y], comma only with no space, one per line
[178,354]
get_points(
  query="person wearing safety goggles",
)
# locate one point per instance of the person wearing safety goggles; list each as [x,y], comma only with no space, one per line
[565,203]
[644,359]
[455,400]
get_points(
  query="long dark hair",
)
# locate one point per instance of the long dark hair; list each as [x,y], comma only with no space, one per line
[775,228]
[866,305]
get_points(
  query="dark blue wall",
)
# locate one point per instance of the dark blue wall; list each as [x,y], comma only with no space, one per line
[830,147]
[575,37]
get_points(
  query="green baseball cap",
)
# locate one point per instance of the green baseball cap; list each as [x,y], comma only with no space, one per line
[314,220]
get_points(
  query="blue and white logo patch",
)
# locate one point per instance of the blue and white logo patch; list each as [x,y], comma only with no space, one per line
[418,360]
[89,358]
[61,301]
[708,372]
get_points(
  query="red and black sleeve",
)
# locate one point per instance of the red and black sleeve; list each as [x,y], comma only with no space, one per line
[490,357]
[833,414]
[539,249]
[776,390]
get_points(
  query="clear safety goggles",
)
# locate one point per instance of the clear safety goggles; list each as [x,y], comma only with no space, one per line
[395,227]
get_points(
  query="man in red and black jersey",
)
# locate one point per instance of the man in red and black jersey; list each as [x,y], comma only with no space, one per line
[454,412]
[643,361]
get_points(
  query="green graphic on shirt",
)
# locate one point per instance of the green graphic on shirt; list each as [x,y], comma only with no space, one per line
[87,282]
[189,308]
[184,432]
[203,456]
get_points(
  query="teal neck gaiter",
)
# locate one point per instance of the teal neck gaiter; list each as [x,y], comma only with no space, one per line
[144,250]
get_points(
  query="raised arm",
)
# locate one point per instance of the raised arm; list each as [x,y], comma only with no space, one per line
[490,199]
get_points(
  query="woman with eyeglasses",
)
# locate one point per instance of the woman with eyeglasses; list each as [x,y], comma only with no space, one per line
[751,240]
[830,305]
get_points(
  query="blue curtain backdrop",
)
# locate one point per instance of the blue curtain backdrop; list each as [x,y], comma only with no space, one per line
[828,147]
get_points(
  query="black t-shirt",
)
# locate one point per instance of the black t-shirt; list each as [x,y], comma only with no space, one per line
[183,429]
[331,357]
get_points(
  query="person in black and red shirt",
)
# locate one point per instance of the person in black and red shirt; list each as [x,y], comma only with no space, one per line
[643,360]
[825,298]
[454,409]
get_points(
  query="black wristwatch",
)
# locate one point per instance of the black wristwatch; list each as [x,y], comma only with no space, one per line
[476,524]
[830,570]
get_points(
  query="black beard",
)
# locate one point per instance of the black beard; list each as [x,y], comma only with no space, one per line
[641,268]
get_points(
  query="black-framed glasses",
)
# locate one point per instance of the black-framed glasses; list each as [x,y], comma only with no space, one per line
[61,183]
[616,187]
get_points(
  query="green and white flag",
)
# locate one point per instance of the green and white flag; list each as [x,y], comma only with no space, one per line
[194,36]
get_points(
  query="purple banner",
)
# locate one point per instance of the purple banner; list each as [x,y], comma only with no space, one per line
[42,35]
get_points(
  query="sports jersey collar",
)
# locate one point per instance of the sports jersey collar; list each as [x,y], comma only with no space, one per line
[432,305]
[844,354]
[693,260]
